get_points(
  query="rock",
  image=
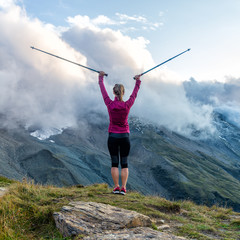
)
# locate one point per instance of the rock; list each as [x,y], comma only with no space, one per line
[163,227]
[2,191]
[133,234]
[162,221]
[93,218]
[97,221]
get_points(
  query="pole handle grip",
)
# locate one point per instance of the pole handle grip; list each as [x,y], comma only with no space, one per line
[138,75]
[104,74]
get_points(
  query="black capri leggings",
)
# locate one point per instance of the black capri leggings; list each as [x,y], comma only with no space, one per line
[119,146]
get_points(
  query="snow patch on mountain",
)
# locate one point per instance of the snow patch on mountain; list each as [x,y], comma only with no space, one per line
[43,134]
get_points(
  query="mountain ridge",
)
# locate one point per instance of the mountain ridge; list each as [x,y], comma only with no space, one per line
[162,162]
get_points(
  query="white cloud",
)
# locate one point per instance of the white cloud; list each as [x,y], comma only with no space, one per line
[6,4]
[41,90]
[83,21]
[103,20]
[222,96]
[33,85]
[145,24]
[124,17]
[128,23]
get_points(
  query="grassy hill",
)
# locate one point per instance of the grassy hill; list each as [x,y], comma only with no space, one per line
[26,211]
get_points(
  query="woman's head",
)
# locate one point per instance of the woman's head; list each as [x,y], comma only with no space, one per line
[118,90]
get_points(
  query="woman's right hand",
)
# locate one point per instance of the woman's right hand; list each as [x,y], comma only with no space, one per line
[137,77]
[101,74]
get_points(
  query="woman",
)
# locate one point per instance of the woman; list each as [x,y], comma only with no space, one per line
[118,140]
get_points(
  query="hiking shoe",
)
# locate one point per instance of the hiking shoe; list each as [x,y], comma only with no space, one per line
[123,191]
[116,190]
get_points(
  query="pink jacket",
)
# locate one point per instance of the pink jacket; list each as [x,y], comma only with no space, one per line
[118,111]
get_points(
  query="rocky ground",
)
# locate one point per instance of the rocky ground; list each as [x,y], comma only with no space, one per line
[98,221]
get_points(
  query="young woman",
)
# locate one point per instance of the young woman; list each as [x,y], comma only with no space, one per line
[118,140]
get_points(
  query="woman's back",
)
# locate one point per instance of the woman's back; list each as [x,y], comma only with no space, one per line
[118,110]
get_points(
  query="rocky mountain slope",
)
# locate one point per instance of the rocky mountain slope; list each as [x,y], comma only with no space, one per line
[162,162]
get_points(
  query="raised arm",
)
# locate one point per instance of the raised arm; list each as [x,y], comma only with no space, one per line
[106,98]
[133,96]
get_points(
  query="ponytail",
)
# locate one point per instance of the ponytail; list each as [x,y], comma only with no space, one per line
[119,91]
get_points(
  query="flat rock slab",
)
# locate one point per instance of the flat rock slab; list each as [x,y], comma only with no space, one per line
[90,218]
[139,233]
[2,191]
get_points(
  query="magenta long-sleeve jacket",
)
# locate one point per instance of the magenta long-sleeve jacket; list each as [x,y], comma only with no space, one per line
[118,111]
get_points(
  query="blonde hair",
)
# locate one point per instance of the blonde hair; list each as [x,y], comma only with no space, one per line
[118,89]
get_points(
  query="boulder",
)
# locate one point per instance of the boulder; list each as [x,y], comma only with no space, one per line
[97,221]
[92,218]
[163,227]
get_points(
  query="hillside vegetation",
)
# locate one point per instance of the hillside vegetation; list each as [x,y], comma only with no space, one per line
[26,211]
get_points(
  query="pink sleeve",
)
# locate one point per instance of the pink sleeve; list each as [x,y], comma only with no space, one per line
[106,98]
[133,96]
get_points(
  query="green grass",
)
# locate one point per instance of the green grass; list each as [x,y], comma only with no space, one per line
[5,181]
[26,212]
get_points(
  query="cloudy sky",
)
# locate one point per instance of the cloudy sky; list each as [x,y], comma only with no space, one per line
[123,39]
[210,28]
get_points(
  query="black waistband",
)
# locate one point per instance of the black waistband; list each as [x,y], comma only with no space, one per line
[118,135]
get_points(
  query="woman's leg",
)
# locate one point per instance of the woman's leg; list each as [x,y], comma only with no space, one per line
[115,176]
[113,150]
[124,177]
[124,152]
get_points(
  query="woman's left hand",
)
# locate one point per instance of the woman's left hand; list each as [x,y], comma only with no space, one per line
[101,74]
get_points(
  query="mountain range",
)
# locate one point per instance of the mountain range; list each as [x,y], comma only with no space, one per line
[162,162]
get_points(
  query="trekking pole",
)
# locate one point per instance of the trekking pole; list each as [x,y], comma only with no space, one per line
[67,60]
[164,62]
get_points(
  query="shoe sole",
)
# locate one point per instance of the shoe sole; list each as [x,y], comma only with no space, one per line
[123,193]
[116,192]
